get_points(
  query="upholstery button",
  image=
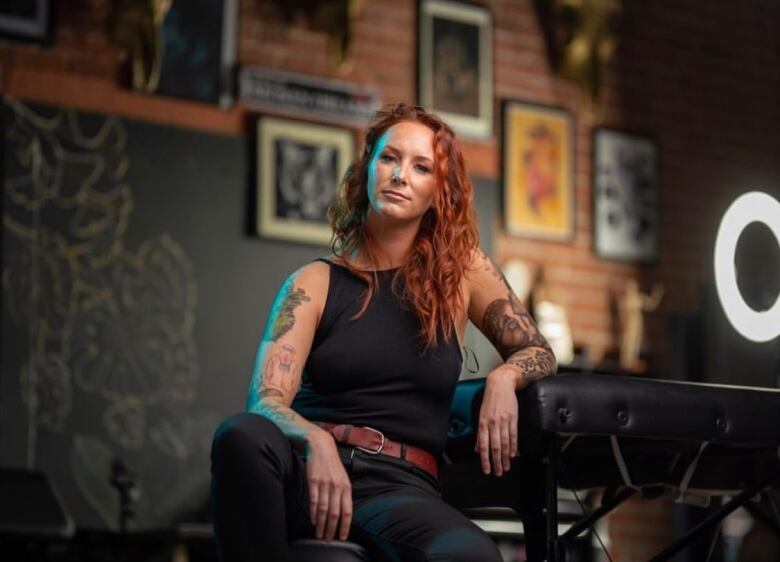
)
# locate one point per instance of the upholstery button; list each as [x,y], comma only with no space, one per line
[564,414]
[456,427]
[721,424]
[622,417]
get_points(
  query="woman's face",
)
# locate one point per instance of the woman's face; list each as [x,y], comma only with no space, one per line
[401,177]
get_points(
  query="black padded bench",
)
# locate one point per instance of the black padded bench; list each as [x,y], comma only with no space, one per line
[625,434]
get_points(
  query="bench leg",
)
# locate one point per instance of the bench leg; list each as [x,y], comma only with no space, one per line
[550,464]
[539,493]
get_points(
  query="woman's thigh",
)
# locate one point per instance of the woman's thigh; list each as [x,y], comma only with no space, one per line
[407,521]
[259,488]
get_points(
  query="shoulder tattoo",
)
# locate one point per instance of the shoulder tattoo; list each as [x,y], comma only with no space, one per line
[282,312]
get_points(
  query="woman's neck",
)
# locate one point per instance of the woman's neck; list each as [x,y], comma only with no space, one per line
[392,242]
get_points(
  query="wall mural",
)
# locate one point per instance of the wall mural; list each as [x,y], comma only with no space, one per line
[109,327]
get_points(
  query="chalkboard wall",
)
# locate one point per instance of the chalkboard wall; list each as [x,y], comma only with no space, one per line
[151,301]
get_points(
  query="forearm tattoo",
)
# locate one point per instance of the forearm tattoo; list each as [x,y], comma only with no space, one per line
[282,317]
[534,363]
[278,413]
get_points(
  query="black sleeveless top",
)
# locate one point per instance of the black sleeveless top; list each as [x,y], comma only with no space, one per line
[371,371]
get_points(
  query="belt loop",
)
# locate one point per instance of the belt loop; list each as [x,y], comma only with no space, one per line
[404,451]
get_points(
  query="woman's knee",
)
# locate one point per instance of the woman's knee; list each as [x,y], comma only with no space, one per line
[463,545]
[243,434]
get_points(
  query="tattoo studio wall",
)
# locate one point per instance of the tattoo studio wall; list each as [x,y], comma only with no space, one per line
[133,299]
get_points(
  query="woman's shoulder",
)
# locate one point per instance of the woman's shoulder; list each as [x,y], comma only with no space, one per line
[310,280]
[312,277]
[315,271]
[478,264]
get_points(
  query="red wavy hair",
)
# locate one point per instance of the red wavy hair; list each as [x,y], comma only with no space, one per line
[447,238]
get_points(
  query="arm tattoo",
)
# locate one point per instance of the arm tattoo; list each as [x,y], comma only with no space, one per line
[277,412]
[282,317]
[509,326]
[278,372]
[533,363]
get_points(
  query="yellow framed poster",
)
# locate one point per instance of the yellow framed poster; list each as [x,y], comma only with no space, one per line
[538,171]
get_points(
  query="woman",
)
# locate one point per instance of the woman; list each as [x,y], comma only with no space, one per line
[349,400]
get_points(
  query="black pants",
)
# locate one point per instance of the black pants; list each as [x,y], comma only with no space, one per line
[260,500]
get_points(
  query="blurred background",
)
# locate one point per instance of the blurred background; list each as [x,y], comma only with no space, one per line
[167,163]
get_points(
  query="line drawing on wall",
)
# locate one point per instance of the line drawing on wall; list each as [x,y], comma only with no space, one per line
[105,324]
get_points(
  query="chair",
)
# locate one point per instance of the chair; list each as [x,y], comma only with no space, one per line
[305,550]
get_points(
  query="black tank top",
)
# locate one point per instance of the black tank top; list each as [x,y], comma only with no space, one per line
[372,372]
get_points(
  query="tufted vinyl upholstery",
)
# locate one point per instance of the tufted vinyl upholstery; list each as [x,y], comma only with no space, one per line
[637,407]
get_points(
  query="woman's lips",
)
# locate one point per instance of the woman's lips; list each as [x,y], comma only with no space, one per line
[397,195]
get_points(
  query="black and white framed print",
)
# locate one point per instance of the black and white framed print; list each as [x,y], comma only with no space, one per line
[26,20]
[455,75]
[300,166]
[626,195]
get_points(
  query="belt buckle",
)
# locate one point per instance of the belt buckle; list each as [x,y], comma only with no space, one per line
[381,445]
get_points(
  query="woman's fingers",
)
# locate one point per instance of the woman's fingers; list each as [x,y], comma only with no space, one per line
[346,513]
[495,449]
[506,444]
[322,511]
[314,495]
[334,510]
[513,437]
[330,510]
[483,445]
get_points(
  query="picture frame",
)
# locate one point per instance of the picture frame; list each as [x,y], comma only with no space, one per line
[26,20]
[300,166]
[455,65]
[538,171]
[626,196]
[200,50]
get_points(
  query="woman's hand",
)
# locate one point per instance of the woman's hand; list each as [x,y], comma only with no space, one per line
[497,433]
[330,491]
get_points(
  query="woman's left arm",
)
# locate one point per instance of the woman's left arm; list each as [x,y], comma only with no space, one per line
[497,312]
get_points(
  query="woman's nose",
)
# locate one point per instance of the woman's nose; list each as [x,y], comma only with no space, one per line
[398,175]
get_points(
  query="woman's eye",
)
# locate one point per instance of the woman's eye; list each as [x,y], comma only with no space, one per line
[423,169]
[386,158]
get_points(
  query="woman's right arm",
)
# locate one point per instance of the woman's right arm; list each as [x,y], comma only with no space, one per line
[285,345]
[276,378]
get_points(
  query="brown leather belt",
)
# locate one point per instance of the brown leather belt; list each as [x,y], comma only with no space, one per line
[374,442]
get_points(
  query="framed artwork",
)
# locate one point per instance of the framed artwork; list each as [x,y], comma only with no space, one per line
[538,171]
[199,38]
[625,196]
[300,166]
[455,75]
[26,20]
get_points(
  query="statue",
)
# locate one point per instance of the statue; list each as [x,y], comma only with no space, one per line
[632,307]
[136,27]
[581,40]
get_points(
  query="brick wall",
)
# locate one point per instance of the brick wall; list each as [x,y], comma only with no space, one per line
[702,77]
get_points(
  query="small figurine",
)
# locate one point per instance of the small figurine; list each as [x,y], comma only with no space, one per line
[632,307]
